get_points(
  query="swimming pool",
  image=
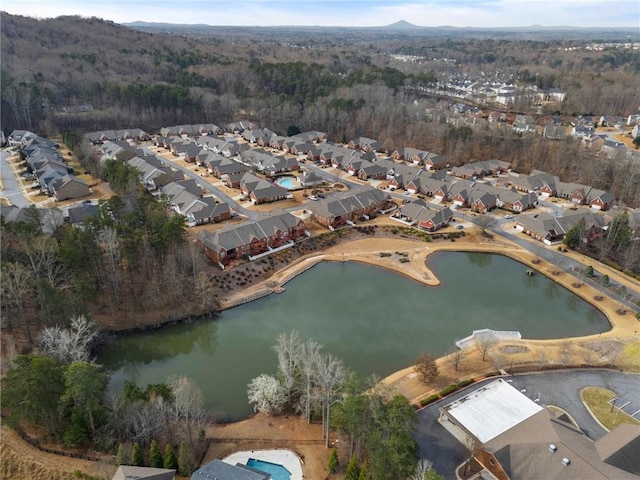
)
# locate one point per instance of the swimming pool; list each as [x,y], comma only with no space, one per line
[286,182]
[278,472]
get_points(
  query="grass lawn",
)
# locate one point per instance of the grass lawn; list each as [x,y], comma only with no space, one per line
[597,401]
[629,358]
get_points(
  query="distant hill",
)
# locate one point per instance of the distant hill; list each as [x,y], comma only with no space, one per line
[402,25]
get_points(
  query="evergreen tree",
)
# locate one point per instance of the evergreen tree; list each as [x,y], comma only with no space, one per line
[186,460]
[155,456]
[364,474]
[353,470]
[121,457]
[137,460]
[169,458]
[333,461]
[574,236]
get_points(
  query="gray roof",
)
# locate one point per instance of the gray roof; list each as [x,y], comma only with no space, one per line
[80,213]
[224,471]
[524,452]
[544,224]
[243,234]
[348,204]
[127,472]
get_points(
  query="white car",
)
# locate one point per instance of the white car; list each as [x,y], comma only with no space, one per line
[508,217]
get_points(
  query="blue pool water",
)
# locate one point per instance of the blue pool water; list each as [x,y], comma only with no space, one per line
[286,182]
[278,472]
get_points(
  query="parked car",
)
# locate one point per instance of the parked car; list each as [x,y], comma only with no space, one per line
[313,197]
[508,217]
[459,227]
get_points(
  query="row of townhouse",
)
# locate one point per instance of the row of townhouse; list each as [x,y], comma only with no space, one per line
[551,229]
[421,215]
[264,161]
[132,136]
[547,185]
[347,208]
[184,195]
[251,239]
[47,166]
[260,190]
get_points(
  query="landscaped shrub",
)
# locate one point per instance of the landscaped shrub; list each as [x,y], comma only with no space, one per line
[447,390]
[465,383]
[430,399]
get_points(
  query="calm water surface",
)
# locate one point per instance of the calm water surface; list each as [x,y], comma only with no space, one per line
[375,320]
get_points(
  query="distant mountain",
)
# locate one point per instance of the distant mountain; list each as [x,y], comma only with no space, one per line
[402,25]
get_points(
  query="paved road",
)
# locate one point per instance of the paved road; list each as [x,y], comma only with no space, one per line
[550,388]
[10,186]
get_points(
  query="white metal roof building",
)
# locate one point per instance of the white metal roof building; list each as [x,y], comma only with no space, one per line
[489,411]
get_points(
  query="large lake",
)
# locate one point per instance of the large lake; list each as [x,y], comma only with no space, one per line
[375,320]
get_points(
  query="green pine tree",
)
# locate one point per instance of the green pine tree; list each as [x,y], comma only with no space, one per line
[121,456]
[186,460]
[353,470]
[364,475]
[155,456]
[169,458]
[137,459]
[333,461]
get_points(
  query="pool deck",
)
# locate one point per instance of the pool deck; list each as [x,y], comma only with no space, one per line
[286,458]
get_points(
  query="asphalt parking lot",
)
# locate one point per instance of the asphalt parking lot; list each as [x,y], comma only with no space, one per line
[561,389]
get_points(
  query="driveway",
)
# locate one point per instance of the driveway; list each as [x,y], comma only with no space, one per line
[560,388]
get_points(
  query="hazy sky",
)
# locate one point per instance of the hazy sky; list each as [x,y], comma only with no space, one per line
[459,13]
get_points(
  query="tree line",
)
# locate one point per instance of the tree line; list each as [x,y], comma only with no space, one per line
[377,424]
[130,258]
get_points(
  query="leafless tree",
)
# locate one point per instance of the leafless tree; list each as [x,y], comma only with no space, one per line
[455,358]
[565,352]
[423,467]
[110,246]
[485,342]
[187,406]
[426,368]
[203,287]
[329,376]
[485,222]
[16,285]
[69,344]
[588,354]
[42,252]
[309,356]
[288,350]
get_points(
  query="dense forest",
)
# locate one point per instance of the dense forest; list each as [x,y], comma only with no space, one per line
[129,260]
[347,85]
[277,78]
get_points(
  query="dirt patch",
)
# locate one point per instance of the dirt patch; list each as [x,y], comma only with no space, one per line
[262,433]
[513,349]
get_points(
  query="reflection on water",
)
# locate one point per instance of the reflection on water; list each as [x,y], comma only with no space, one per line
[375,320]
